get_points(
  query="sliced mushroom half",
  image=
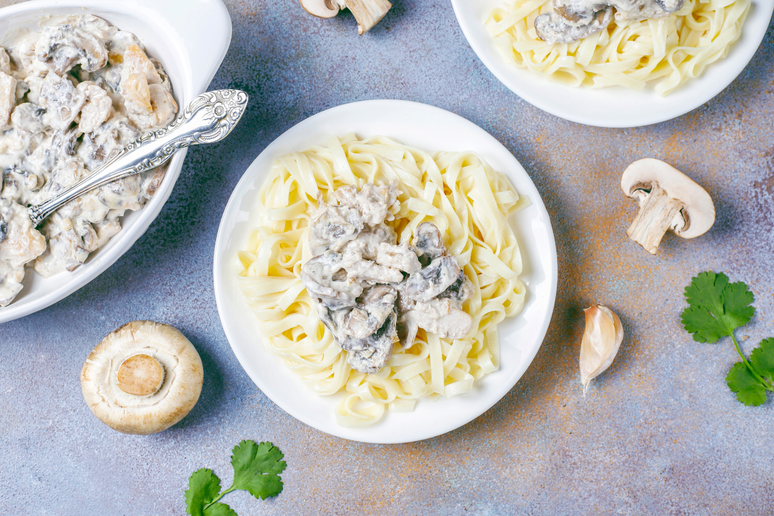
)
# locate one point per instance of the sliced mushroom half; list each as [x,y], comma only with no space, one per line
[366,12]
[669,200]
[142,378]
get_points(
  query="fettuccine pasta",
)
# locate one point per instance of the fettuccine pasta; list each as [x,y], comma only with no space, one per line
[457,191]
[666,51]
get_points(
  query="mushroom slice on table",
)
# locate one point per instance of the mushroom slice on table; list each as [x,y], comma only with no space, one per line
[366,12]
[142,378]
[668,199]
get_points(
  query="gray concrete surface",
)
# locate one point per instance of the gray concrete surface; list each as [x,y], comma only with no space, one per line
[659,433]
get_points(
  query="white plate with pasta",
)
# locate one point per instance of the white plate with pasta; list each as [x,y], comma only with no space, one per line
[634,98]
[268,318]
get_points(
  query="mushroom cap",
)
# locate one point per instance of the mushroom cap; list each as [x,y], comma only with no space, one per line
[156,363]
[699,211]
[322,8]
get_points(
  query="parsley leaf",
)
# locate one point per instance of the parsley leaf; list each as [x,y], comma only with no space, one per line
[203,487]
[747,388]
[256,470]
[716,307]
[219,509]
[762,359]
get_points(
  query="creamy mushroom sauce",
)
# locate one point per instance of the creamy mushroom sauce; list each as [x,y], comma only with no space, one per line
[573,20]
[70,94]
[372,293]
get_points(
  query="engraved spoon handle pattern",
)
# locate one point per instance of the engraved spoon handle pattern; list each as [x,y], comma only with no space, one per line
[208,119]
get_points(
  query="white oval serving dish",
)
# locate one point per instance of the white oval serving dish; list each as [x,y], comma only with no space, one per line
[431,129]
[172,32]
[615,106]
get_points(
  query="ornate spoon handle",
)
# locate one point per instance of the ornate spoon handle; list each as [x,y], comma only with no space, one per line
[208,119]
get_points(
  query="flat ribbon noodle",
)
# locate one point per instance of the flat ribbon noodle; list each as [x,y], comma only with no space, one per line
[665,51]
[460,193]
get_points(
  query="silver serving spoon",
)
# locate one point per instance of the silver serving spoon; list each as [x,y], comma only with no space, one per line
[208,119]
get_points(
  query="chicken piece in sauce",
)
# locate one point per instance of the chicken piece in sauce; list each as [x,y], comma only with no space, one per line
[19,243]
[373,293]
[63,111]
[573,20]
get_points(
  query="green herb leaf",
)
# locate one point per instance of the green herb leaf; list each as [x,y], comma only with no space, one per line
[257,468]
[716,307]
[747,388]
[219,509]
[706,290]
[203,488]
[703,325]
[737,302]
[762,359]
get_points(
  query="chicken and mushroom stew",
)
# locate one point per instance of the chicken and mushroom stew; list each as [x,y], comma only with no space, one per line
[371,292]
[573,20]
[70,94]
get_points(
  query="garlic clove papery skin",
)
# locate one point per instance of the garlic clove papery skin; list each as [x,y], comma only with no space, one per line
[601,339]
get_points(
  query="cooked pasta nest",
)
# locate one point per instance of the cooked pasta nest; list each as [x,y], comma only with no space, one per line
[665,51]
[457,191]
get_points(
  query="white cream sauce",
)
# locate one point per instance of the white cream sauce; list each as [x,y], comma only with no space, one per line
[70,94]
[573,20]
[372,292]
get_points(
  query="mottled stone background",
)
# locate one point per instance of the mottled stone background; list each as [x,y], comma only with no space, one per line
[659,433]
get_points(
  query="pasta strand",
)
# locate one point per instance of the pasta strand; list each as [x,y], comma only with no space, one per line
[665,51]
[460,193]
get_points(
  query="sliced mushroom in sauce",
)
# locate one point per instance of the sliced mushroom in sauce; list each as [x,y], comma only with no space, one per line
[62,113]
[372,293]
[573,20]
[64,46]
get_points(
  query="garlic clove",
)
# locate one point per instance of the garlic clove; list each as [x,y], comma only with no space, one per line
[601,339]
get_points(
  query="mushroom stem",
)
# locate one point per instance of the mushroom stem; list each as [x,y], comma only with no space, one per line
[658,213]
[367,12]
[141,375]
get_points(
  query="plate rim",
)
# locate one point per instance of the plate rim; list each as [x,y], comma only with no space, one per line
[195,77]
[221,288]
[514,78]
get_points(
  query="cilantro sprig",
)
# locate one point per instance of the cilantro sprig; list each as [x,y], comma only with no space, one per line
[716,308]
[257,469]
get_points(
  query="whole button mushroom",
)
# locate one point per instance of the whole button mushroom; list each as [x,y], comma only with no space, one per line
[142,378]
[668,199]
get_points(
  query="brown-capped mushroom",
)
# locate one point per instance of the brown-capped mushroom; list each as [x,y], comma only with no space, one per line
[142,378]
[366,12]
[668,199]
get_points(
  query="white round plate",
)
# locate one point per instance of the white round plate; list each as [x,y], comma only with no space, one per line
[616,106]
[431,129]
[171,31]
